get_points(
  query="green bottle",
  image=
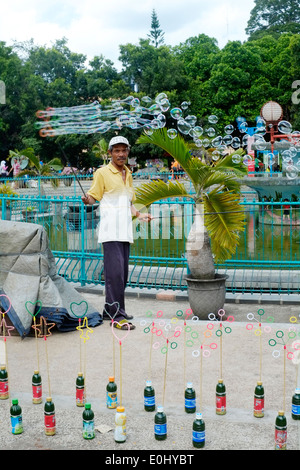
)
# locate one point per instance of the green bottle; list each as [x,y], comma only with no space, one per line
[198,431]
[16,417]
[80,395]
[88,430]
[4,389]
[259,401]
[111,393]
[49,417]
[220,398]
[160,424]
[37,388]
[280,431]
[149,397]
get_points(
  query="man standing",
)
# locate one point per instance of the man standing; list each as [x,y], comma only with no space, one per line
[112,186]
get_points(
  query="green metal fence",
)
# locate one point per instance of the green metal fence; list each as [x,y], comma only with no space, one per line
[267,259]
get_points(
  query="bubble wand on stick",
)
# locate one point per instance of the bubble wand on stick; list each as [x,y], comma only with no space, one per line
[76,309]
[160,332]
[85,331]
[179,314]
[280,339]
[116,306]
[43,329]
[220,331]
[259,332]
[120,340]
[4,328]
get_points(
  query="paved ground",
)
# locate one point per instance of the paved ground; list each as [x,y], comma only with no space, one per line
[140,356]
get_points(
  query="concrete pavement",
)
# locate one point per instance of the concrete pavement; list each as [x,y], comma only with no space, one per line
[140,355]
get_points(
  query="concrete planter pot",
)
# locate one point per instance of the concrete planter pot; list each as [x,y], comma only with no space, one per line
[206,295]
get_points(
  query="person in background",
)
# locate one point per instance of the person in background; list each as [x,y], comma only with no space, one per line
[113,187]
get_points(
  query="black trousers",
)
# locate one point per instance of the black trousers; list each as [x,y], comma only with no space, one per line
[116,260]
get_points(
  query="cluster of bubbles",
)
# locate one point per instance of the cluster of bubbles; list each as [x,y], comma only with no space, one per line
[146,114]
[149,114]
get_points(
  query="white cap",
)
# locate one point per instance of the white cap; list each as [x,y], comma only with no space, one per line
[118,140]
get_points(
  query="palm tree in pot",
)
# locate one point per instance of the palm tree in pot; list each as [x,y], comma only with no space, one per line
[218,218]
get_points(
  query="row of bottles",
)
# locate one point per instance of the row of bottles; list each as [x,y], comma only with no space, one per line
[160,419]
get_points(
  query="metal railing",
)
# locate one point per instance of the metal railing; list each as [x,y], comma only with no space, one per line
[267,259]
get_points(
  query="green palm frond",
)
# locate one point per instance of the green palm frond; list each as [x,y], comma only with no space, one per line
[151,192]
[225,181]
[224,220]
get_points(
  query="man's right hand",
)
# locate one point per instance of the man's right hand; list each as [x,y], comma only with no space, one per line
[87,199]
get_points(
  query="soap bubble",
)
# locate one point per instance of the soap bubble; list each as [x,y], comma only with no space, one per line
[212,119]
[164,105]
[176,113]
[293,151]
[172,133]
[217,141]
[247,159]
[154,109]
[162,120]
[291,172]
[243,127]
[183,126]
[211,132]
[285,127]
[215,155]
[155,124]
[227,139]
[236,158]
[196,132]
[229,129]
[160,97]
[147,99]
[260,142]
[236,143]
[245,140]
[198,142]
[185,104]
[148,129]
[191,120]
[135,102]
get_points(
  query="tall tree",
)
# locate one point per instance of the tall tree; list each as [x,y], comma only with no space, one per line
[156,34]
[274,17]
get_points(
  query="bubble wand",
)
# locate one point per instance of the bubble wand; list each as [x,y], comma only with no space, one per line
[286,354]
[43,329]
[85,331]
[220,331]
[33,312]
[172,344]
[77,306]
[120,344]
[5,330]
[112,317]
[179,314]
[258,332]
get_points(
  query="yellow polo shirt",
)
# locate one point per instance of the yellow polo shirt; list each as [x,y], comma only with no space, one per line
[115,199]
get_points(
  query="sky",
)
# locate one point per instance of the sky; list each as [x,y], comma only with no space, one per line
[95,27]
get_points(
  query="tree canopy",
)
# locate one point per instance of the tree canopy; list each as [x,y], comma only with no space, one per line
[230,82]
